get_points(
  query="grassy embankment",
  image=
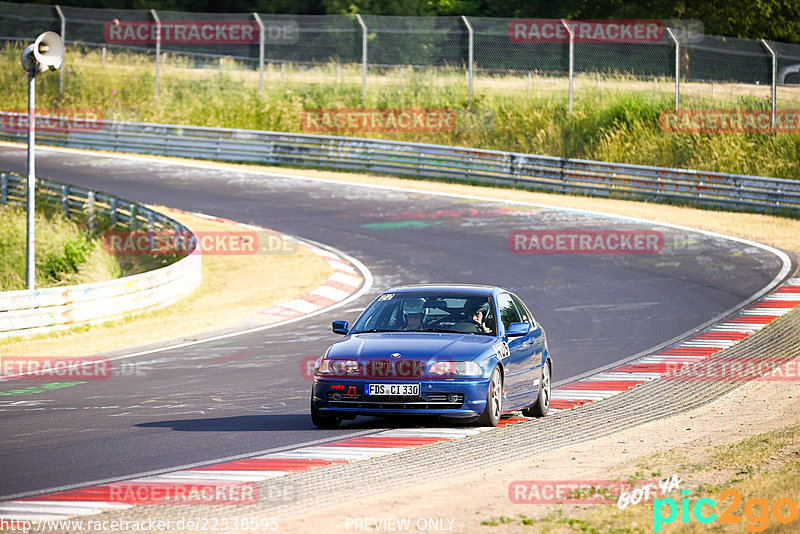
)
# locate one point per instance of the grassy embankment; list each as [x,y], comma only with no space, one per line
[64,254]
[615,118]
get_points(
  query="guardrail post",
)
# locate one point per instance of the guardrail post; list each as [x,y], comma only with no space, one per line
[571,58]
[132,222]
[113,214]
[469,54]
[363,58]
[774,80]
[261,31]
[677,68]
[64,38]
[90,202]
[3,188]
[158,45]
[65,200]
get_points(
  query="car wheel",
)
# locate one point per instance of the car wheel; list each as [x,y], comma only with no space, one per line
[494,401]
[542,405]
[324,421]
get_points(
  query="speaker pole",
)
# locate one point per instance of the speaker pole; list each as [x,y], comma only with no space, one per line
[30,270]
[46,52]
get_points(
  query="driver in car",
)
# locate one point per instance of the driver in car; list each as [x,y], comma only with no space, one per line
[475,310]
[413,311]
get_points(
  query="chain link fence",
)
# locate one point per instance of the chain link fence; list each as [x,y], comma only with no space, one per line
[561,58]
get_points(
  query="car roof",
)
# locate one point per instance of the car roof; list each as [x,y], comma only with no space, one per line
[447,288]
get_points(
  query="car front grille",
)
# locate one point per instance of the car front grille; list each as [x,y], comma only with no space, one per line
[429,401]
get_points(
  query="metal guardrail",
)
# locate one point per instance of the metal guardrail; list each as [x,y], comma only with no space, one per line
[42,310]
[562,175]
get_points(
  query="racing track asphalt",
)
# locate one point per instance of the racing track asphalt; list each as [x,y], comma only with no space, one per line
[246,394]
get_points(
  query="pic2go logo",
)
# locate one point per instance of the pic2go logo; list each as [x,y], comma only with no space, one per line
[756,511]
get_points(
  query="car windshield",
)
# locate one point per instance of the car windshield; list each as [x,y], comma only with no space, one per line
[463,313]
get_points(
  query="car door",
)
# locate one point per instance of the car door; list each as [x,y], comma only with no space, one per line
[518,380]
[532,371]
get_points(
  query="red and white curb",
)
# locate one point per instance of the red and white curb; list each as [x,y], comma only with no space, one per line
[95,499]
[343,283]
[698,347]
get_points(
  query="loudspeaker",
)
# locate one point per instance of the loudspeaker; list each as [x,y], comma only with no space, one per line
[46,52]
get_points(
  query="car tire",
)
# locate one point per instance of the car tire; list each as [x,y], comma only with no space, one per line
[494,400]
[542,404]
[324,421]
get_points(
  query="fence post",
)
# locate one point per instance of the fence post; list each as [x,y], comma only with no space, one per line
[65,200]
[64,38]
[90,202]
[469,68]
[113,206]
[774,80]
[363,58]
[261,30]
[571,58]
[677,68]
[132,222]
[3,188]
[158,45]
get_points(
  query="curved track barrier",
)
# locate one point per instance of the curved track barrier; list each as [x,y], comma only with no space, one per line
[547,173]
[54,308]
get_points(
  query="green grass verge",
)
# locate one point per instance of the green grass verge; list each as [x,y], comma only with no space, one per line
[614,119]
[65,253]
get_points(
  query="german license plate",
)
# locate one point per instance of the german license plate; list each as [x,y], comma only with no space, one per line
[392,390]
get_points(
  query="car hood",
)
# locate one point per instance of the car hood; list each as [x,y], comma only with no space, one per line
[427,346]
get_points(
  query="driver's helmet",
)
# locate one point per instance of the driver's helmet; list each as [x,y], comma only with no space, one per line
[475,304]
[412,306]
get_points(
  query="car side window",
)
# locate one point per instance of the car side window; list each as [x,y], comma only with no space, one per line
[526,315]
[508,310]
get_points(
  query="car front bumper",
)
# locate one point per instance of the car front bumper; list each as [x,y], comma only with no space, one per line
[434,399]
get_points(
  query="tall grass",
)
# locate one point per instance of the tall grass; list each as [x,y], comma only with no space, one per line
[64,253]
[615,118]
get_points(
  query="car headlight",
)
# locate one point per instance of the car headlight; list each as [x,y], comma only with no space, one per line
[338,368]
[456,369]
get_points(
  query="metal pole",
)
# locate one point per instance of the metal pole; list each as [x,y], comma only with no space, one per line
[363,57]
[677,68]
[571,58]
[261,31]
[30,270]
[774,80]
[469,69]
[158,45]
[63,36]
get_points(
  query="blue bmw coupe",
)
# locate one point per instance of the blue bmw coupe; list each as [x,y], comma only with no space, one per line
[462,352]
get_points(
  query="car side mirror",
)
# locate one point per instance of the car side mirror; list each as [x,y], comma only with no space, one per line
[340,327]
[518,329]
